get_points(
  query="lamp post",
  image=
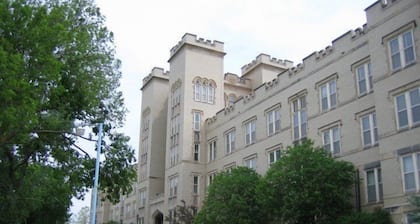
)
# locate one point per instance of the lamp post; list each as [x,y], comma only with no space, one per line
[95,184]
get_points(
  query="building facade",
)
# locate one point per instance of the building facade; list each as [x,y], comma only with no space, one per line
[358,97]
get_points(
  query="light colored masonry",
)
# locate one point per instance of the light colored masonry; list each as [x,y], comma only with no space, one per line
[359,97]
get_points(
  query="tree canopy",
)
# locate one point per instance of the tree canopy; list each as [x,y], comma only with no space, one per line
[57,71]
[307,185]
[232,199]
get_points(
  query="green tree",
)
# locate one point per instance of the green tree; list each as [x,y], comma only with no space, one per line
[232,199]
[415,215]
[307,186]
[379,216]
[57,70]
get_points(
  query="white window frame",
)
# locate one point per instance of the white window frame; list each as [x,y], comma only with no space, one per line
[273,121]
[415,157]
[196,120]
[330,95]
[142,196]
[408,110]
[401,50]
[330,137]
[197,91]
[196,153]
[210,178]
[250,132]
[372,128]
[364,75]
[173,186]
[196,184]
[212,150]
[299,117]
[230,141]
[275,154]
[377,184]
[251,162]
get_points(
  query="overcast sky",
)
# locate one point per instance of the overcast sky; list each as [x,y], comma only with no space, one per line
[145,31]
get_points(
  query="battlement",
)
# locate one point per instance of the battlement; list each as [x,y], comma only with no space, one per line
[192,39]
[268,60]
[156,72]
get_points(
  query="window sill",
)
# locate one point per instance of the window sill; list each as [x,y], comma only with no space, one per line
[370,146]
[394,71]
[365,94]
[407,128]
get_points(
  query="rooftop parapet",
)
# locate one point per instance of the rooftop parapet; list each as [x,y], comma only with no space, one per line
[192,39]
[156,72]
[268,60]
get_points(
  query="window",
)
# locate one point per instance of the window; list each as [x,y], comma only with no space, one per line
[195,184]
[197,120]
[369,130]
[299,118]
[173,186]
[374,185]
[204,90]
[176,97]
[401,50]
[141,220]
[230,142]
[328,93]
[364,79]
[273,156]
[212,150]
[196,152]
[408,108]
[331,140]
[174,140]
[410,170]
[273,121]
[250,132]
[142,198]
[211,177]
[251,163]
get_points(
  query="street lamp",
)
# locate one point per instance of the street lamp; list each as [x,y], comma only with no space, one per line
[95,184]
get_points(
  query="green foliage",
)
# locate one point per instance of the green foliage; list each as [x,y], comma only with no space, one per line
[379,216]
[232,199]
[57,69]
[415,201]
[307,186]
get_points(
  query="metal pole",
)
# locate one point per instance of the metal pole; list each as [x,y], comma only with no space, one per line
[95,185]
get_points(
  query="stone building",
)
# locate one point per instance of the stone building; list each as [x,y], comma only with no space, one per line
[358,97]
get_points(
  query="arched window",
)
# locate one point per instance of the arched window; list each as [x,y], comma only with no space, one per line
[204,90]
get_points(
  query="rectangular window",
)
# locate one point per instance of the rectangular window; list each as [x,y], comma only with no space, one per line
[250,132]
[273,121]
[369,129]
[410,171]
[401,50]
[211,178]
[407,107]
[211,94]
[141,220]
[273,156]
[142,198]
[331,140]
[230,142]
[364,79]
[197,91]
[212,150]
[197,120]
[374,185]
[173,186]
[299,118]
[196,152]
[328,94]
[195,184]
[204,93]
[251,163]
